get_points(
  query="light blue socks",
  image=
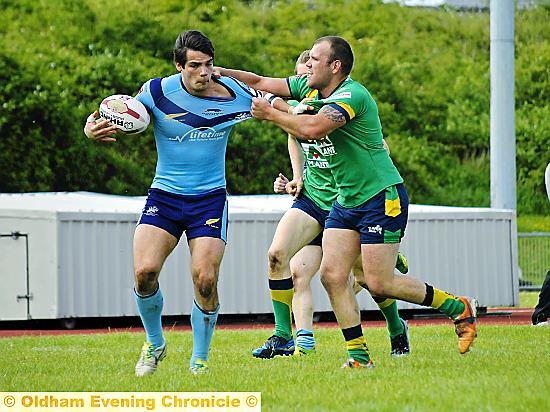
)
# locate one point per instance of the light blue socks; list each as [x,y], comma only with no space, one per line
[305,339]
[150,311]
[203,323]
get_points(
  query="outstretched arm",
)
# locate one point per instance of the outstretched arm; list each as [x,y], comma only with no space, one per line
[311,127]
[277,86]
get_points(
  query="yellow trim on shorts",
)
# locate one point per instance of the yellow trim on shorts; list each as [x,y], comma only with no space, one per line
[393,207]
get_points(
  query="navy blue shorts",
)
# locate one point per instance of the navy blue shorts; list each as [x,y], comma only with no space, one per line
[196,215]
[381,219]
[308,206]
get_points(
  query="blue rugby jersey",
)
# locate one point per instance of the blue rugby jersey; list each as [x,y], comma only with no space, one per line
[191,132]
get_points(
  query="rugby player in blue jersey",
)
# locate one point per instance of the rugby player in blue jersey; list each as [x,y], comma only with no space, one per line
[192,114]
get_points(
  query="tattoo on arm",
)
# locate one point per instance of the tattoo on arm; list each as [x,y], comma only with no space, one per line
[333,114]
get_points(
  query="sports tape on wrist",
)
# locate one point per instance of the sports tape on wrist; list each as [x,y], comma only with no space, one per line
[271,98]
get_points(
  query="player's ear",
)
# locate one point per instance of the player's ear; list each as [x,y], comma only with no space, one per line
[179,67]
[336,66]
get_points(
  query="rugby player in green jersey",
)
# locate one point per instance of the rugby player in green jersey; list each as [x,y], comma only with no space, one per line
[298,252]
[370,214]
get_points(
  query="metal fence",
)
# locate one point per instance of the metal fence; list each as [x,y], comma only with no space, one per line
[534,259]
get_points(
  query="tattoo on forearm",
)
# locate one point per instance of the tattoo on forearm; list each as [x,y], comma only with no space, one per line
[333,114]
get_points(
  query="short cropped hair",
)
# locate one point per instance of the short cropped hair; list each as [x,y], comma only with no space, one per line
[340,50]
[302,59]
[194,40]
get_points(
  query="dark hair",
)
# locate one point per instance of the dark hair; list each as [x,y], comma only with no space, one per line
[302,58]
[194,40]
[340,50]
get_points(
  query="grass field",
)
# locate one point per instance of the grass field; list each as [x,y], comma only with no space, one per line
[507,370]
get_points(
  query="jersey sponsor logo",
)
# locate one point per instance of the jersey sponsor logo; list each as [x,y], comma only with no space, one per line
[175,116]
[178,117]
[319,164]
[325,147]
[200,134]
[242,116]
[212,112]
[375,229]
[342,95]
[151,211]
[212,223]
[313,155]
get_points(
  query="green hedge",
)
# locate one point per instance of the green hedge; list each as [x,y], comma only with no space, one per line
[428,69]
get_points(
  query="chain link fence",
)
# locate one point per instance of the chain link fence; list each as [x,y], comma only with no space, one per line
[534,259]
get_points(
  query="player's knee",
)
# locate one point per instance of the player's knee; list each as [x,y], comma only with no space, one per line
[276,259]
[331,280]
[377,288]
[205,283]
[206,290]
[146,279]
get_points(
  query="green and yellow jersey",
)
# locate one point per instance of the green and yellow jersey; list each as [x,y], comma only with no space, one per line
[355,152]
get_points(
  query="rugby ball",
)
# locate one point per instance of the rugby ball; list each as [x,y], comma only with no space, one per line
[125,112]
